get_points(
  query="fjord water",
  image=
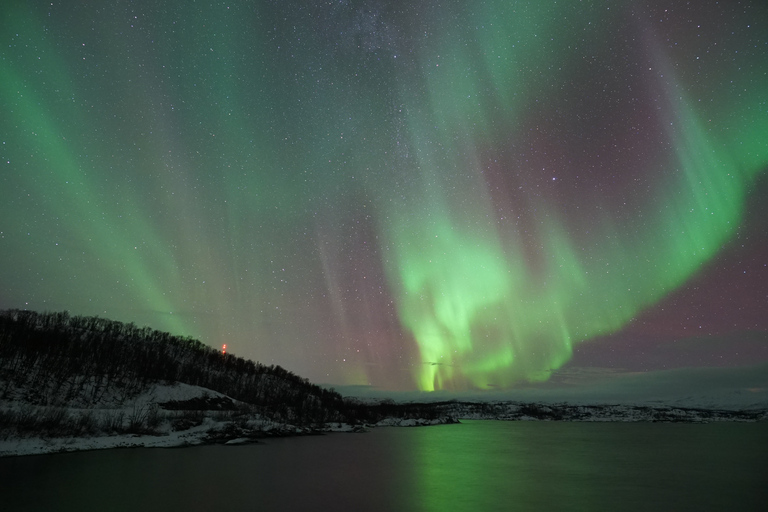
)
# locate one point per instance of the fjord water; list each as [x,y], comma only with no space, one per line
[476,465]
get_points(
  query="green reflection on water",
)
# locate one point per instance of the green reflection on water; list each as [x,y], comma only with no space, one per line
[497,465]
[455,469]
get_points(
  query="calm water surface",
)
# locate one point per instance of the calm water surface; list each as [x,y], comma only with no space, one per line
[477,465]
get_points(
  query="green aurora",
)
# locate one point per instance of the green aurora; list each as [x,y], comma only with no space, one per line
[483,311]
[446,195]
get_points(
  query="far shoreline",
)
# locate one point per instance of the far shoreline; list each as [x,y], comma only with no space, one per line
[230,433]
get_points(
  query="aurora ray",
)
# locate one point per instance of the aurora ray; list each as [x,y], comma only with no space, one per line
[441,194]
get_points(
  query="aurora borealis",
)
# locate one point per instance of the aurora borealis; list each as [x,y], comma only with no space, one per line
[409,195]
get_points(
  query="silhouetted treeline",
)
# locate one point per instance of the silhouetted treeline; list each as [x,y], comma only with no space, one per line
[57,358]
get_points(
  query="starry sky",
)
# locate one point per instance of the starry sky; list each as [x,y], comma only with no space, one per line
[432,195]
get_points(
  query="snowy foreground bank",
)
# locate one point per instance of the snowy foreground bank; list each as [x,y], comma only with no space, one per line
[179,415]
[209,432]
[166,416]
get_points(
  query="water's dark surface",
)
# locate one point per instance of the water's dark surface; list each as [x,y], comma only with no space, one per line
[478,465]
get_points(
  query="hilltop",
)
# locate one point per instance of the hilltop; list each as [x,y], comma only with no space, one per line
[107,382]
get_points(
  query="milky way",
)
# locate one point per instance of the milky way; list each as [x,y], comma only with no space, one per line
[413,195]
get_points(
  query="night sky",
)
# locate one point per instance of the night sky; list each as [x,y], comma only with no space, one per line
[442,194]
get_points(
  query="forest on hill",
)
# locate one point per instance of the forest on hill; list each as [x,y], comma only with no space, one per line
[54,359]
[58,359]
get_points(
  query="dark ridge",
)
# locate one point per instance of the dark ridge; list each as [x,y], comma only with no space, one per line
[55,359]
[58,358]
